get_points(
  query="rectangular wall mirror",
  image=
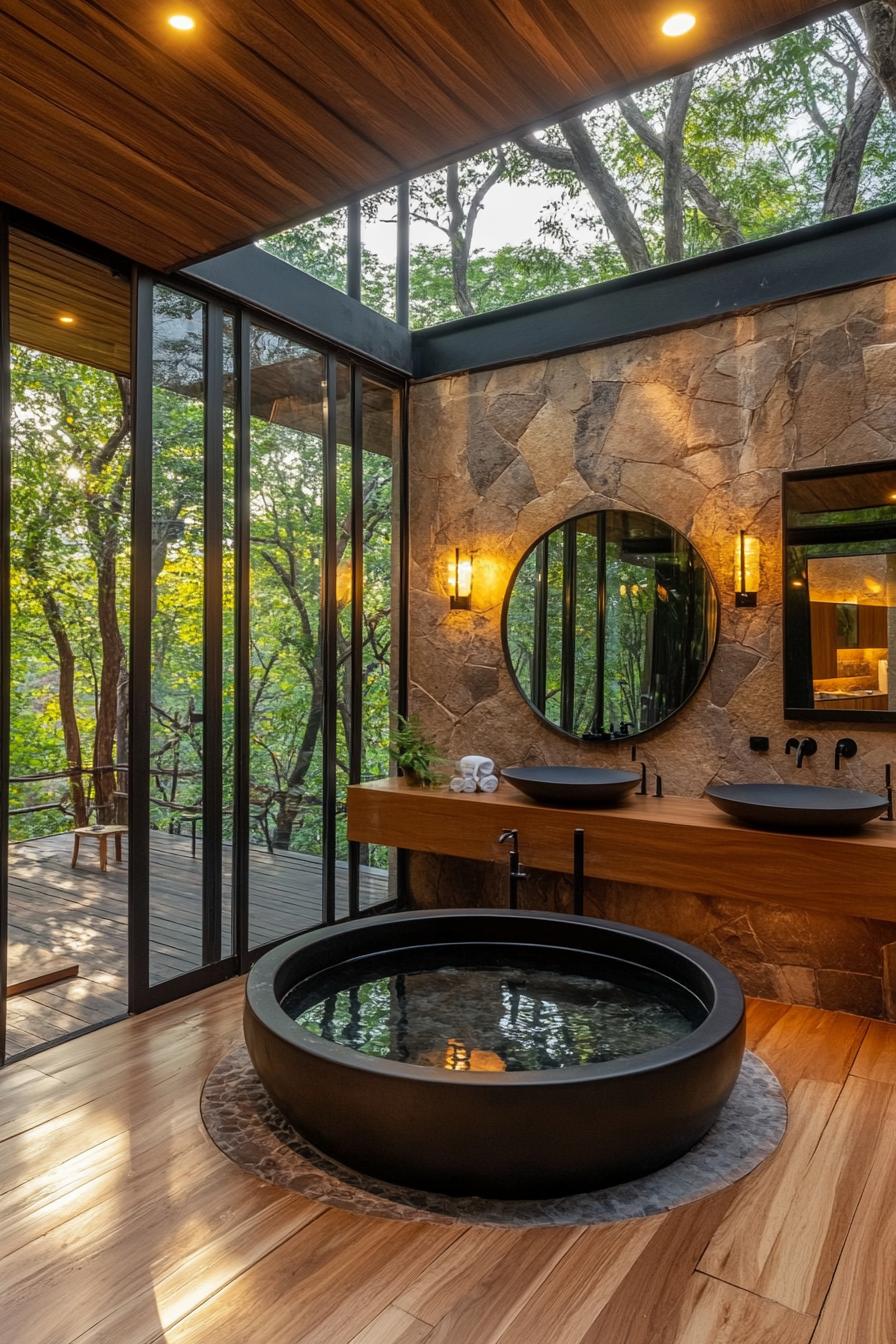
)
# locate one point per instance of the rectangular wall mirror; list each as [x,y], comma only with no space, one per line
[840,592]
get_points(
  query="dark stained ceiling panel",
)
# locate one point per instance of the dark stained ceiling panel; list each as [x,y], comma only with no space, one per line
[169,146]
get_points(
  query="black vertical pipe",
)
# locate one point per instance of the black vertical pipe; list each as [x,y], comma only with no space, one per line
[356,725]
[353,251]
[140,675]
[403,257]
[568,634]
[242,712]
[329,634]
[5,629]
[212,667]
[578,871]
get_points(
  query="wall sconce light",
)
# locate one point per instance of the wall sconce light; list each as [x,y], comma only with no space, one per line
[746,569]
[460,581]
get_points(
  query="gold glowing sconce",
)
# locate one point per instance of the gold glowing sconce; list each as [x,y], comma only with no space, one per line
[746,569]
[460,581]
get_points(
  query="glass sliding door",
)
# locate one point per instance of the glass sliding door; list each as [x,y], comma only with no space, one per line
[287,540]
[182,779]
[68,659]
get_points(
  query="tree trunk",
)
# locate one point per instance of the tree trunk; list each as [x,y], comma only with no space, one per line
[878,19]
[604,190]
[457,237]
[107,717]
[67,711]
[709,205]
[846,167]
[291,800]
[462,222]
[673,167]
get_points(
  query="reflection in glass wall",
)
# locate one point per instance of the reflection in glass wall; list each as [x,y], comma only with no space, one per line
[177,610]
[69,557]
[286,650]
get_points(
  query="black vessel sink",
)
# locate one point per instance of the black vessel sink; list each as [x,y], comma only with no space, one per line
[572,785]
[797,807]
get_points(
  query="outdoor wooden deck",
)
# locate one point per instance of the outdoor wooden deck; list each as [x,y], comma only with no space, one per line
[81,913]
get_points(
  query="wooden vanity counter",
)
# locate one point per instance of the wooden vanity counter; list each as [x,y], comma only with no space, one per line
[682,844]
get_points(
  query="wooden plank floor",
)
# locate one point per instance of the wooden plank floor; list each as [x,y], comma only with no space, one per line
[120,1223]
[81,914]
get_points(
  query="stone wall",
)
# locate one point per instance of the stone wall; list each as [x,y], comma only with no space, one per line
[694,426]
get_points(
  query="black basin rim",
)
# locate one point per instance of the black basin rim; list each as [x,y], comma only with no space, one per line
[819,798]
[580,776]
[723,1018]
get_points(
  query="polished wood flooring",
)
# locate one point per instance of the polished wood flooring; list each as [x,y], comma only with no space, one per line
[81,914]
[121,1223]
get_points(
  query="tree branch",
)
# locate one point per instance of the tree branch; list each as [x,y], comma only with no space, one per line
[709,205]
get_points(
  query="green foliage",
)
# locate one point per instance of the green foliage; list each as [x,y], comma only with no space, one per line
[762,130]
[415,755]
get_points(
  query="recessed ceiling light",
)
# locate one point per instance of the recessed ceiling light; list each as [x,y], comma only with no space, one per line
[183,23]
[678,24]
[66,319]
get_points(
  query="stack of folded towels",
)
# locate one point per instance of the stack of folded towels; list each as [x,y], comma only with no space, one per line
[475,774]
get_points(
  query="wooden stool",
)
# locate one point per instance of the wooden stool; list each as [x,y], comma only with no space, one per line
[102,834]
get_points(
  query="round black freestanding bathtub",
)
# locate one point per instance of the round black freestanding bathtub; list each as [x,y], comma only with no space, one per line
[444,1050]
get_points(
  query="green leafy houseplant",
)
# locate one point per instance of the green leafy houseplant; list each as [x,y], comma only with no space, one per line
[414,754]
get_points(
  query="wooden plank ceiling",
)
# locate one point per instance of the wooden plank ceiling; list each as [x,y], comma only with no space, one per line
[67,305]
[168,146]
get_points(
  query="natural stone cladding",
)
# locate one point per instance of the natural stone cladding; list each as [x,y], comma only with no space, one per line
[694,426]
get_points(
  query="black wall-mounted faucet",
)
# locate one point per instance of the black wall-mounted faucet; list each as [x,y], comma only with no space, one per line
[516,874]
[845,749]
[804,746]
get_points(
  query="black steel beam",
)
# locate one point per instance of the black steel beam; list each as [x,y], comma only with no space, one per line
[284,292]
[140,643]
[330,634]
[213,513]
[837,254]
[240,893]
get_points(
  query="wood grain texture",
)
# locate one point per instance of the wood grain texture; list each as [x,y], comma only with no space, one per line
[677,844]
[811,1043]
[167,146]
[716,1313]
[861,1305]
[741,1245]
[877,1056]
[120,1221]
[472,1292]
[394,1326]
[801,1264]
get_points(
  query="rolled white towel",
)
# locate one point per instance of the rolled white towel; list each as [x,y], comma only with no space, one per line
[477,766]
[462,784]
[488,783]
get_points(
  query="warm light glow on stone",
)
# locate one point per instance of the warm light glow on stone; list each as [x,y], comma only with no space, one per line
[746,563]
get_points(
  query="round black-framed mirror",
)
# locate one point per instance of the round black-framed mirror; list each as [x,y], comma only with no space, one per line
[610,623]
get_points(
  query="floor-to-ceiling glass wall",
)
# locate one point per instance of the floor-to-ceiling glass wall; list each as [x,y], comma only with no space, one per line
[69,571]
[204,536]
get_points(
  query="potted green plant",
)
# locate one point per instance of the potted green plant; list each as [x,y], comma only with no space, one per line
[415,755]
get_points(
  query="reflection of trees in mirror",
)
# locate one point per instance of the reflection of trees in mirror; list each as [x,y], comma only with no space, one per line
[787,133]
[610,623]
[69,589]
